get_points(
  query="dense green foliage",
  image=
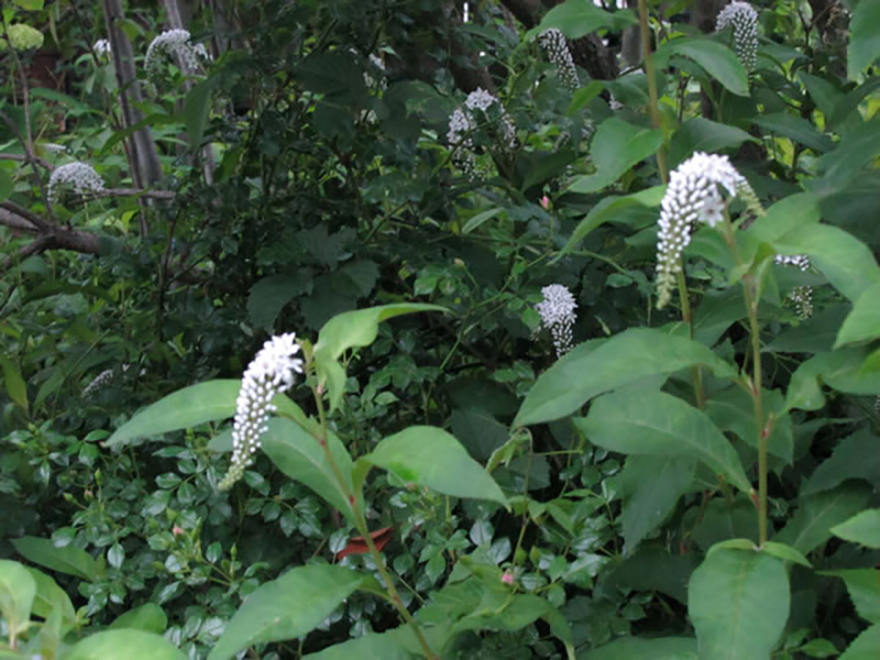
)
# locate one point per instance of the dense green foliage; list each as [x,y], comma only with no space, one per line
[684,465]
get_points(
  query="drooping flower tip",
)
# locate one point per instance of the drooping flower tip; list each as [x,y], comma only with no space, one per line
[555,45]
[102,48]
[272,371]
[81,177]
[743,19]
[176,43]
[557,312]
[694,195]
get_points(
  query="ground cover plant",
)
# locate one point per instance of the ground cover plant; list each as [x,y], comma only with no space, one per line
[506,329]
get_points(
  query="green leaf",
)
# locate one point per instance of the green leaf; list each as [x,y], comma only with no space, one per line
[854,457]
[811,526]
[787,215]
[785,552]
[606,210]
[577,19]
[397,644]
[69,559]
[51,598]
[719,61]
[723,520]
[591,369]
[616,147]
[654,569]
[196,108]
[863,323]
[659,424]
[704,135]
[191,406]
[863,528]
[474,222]
[286,608]
[864,42]
[7,186]
[124,645]
[299,455]
[841,369]
[738,602]
[269,296]
[634,648]
[847,262]
[17,591]
[651,489]
[149,617]
[15,385]
[732,410]
[797,129]
[354,330]
[863,585]
[431,457]
[336,75]
[865,647]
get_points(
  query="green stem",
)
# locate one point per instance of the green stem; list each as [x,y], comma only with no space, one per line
[361,524]
[687,317]
[652,85]
[755,384]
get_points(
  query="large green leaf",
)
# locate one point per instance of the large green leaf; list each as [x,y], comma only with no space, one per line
[659,424]
[842,370]
[286,608]
[576,19]
[69,559]
[299,455]
[863,585]
[124,645]
[196,107]
[7,186]
[191,406]
[863,323]
[634,648]
[616,147]
[149,617]
[797,129]
[719,61]
[651,489]
[51,598]
[847,262]
[397,644]
[15,385]
[865,647]
[606,210]
[17,591]
[854,457]
[864,42]
[354,330]
[863,528]
[732,410]
[431,457]
[738,601]
[811,526]
[701,134]
[627,358]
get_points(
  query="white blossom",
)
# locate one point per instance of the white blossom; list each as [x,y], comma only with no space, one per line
[462,123]
[557,312]
[102,48]
[52,148]
[555,45]
[98,382]
[480,99]
[271,372]
[82,178]
[742,17]
[176,43]
[801,297]
[694,195]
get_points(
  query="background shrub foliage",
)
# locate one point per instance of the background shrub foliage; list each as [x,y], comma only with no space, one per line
[695,481]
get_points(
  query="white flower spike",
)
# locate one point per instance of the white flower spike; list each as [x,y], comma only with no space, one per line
[82,178]
[742,17]
[557,312]
[694,195]
[272,371]
[176,43]
[555,45]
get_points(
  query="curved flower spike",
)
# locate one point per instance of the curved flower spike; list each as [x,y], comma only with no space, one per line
[742,17]
[272,371]
[557,313]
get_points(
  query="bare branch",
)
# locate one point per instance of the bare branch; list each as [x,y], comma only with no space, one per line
[10,219]
[137,192]
[45,226]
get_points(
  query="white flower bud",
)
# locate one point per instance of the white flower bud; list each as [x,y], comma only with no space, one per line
[82,178]
[557,312]
[555,45]
[744,20]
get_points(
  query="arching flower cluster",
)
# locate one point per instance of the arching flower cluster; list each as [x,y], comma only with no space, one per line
[22,37]
[557,312]
[79,177]
[694,195]
[462,123]
[176,43]
[555,45]
[102,48]
[271,372]
[801,297]
[742,17]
